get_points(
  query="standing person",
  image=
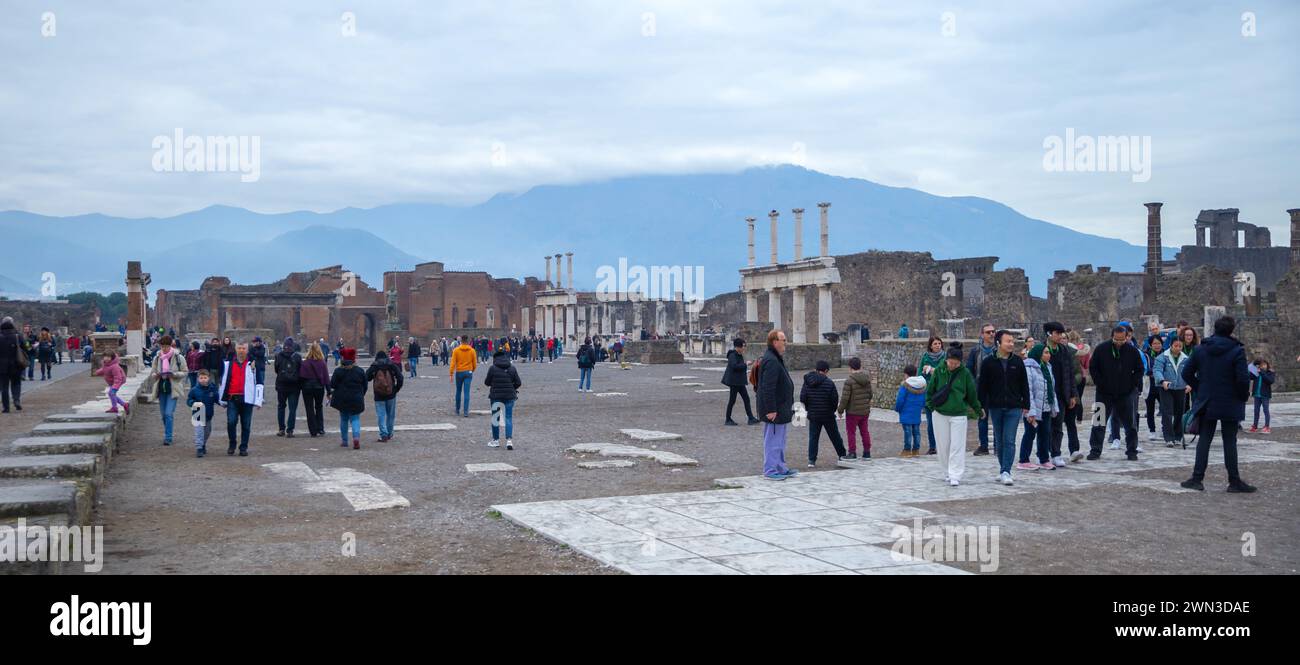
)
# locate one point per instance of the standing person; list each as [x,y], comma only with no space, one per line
[550,349]
[910,403]
[1061,357]
[324,347]
[288,386]
[1155,345]
[904,332]
[953,397]
[241,392]
[214,359]
[257,351]
[503,385]
[775,395]
[985,349]
[168,367]
[1261,388]
[11,365]
[461,370]
[413,352]
[733,377]
[74,347]
[194,363]
[1082,352]
[29,350]
[202,399]
[933,358]
[338,353]
[45,353]
[1043,408]
[386,376]
[1116,370]
[1134,397]
[820,398]
[1218,375]
[1004,393]
[348,395]
[315,380]
[111,370]
[855,403]
[586,363]
[1174,392]
[395,355]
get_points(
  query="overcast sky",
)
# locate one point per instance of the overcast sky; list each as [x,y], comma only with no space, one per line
[453,102]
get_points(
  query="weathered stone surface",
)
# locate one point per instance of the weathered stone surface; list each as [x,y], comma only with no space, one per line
[50,466]
[31,499]
[491,467]
[650,435]
[72,429]
[691,384]
[663,457]
[653,352]
[684,378]
[63,445]
[607,464]
[801,357]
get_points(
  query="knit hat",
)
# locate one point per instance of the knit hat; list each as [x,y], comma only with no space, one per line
[289,344]
[349,354]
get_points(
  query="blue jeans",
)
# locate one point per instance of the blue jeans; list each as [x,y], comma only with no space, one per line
[1005,424]
[1041,434]
[503,412]
[414,361]
[387,412]
[929,427]
[983,428]
[242,414]
[1262,402]
[464,380]
[349,418]
[194,379]
[167,407]
[912,437]
[584,378]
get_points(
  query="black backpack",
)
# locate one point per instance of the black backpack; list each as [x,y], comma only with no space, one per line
[289,370]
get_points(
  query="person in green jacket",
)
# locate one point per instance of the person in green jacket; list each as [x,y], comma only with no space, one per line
[951,397]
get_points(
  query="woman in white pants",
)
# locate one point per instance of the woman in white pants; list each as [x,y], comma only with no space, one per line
[951,395]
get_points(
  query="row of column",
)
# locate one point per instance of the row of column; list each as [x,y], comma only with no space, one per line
[574,321]
[798,334]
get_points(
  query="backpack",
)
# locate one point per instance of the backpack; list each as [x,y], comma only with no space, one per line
[289,370]
[753,373]
[383,384]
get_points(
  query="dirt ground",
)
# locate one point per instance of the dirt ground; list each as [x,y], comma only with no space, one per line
[165,511]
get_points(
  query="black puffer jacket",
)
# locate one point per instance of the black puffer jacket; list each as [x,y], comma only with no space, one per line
[1116,370]
[998,389]
[819,396]
[502,379]
[734,376]
[287,365]
[348,388]
[9,350]
[1219,378]
[586,356]
[775,388]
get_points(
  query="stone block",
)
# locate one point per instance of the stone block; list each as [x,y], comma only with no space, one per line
[73,429]
[88,444]
[51,466]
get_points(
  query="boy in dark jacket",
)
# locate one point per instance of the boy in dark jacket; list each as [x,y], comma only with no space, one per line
[1117,371]
[1261,388]
[202,400]
[503,384]
[387,378]
[820,399]
[348,395]
[734,378]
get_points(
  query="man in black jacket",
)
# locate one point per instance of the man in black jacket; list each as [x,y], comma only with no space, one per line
[776,402]
[413,352]
[820,398]
[11,376]
[1116,370]
[288,386]
[734,378]
[1003,391]
[1220,380]
[1063,380]
[503,385]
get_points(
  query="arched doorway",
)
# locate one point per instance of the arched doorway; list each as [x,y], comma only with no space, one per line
[364,333]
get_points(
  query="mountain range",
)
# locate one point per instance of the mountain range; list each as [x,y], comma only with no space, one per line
[668,220]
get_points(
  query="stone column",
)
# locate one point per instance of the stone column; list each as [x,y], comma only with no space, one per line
[523,320]
[772,217]
[825,210]
[1295,236]
[751,305]
[825,314]
[559,281]
[136,308]
[774,307]
[548,322]
[1151,278]
[798,233]
[798,332]
[548,270]
[570,327]
[636,319]
[569,278]
[749,221]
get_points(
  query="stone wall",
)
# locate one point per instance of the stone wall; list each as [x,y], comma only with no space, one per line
[804,357]
[52,315]
[884,360]
[653,352]
[1269,264]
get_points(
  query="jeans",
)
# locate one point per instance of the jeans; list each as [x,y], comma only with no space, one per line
[1005,423]
[239,412]
[1262,402]
[201,434]
[815,428]
[503,412]
[464,380]
[387,412]
[414,360]
[194,379]
[853,425]
[349,418]
[584,378]
[982,426]
[774,449]
[313,400]
[744,395]
[911,436]
[1230,429]
[1173,404]
[286,397]
[1040,434]
[13,383]
[929,427]
[167,407]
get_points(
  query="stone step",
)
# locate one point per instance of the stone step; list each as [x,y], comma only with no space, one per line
[84,418]
[71,467]
[31,499]
[92,444]
[73,429]
[53,565]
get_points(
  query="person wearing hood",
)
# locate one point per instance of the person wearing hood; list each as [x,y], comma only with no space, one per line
[733,377]
[933,358]
[1003,391]
[503,384]
[775,391]
[586,363]
[11,365]
[952,396]
[855,403]
[1116,370]
[288,386]
[820,399]
[1174,391]
[910,403]
[1044,404]
[111,370]
[348,394]
[241,392]
[386,376]
[1218,376]
[168,368]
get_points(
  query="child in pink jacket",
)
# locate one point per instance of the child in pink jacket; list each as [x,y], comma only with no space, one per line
[113,375]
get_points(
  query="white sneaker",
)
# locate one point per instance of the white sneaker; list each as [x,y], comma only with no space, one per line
[952,482]
[494,444]
[1114,444]
[1058,461]
[1006,479]
[510,444]
[1139,449]
[1076,456]
[1152,436]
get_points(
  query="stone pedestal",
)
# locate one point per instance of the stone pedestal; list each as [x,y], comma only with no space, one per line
[653,352]
[804,357]
[102,343]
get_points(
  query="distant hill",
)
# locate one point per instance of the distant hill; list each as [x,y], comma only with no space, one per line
[14,289]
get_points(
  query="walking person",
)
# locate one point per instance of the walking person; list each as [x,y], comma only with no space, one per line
[1003,390]
[194,363]
[820,399]
[855,404]
[1155,345]
[386,376]
[503,384]
[1174,393]
[775,396]
[30,341]
[986,348]
[12,364]
[413,352]
[214,360]
[1116,370]
[586,363]
[933,358]
[202,400]
[460,369]
[45,353]
[315,381]
[241,392]
[910,403]
[288,386]
[733,377]
[348,395]
[1061,361]
[953,398]
[1043,408]
[168,367]
[1261,388]
[1218,375]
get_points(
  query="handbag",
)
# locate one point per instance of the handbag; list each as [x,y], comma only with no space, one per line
[941,395]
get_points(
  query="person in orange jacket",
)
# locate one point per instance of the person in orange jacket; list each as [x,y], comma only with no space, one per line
[464,360]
